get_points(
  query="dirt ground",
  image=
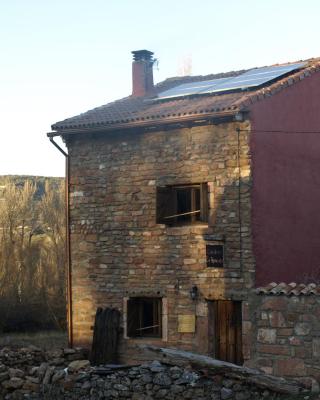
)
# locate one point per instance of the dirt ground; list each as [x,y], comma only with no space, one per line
[45,340]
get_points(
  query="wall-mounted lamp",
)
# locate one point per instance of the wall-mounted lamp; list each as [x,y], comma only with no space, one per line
[194,292]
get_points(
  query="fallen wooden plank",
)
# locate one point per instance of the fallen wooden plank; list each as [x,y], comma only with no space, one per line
[212,365]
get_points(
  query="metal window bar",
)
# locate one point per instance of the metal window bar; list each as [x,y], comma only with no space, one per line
[179,215]
[147,327]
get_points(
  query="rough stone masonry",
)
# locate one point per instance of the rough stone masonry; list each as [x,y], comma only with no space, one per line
[119,251]
[284,332]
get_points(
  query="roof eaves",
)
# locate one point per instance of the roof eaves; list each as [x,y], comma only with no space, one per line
[289,289]
[144,122]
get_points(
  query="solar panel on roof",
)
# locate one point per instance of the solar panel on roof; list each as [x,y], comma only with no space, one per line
[256,77]
[190,88]
[253,78]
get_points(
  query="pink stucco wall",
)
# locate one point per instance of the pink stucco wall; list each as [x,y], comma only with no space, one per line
[286,184]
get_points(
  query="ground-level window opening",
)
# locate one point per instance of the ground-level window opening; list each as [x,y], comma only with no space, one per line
[144,317]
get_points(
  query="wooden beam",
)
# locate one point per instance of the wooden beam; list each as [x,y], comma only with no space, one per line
[248,375]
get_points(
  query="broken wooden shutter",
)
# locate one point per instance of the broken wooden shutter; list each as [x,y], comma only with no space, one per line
[157,316]
[204,202]
[133,317]
[105,336]
[165,205]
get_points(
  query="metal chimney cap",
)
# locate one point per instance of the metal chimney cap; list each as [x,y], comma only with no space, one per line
[142,55]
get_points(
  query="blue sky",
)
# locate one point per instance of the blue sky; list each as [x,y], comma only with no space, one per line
[60,58]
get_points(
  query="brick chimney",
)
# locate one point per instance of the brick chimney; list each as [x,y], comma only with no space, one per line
[142,73]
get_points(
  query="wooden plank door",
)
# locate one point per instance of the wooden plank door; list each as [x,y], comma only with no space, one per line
[225,330]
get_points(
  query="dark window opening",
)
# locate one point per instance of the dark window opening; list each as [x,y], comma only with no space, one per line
[144,317]
[182,204]
[215,256]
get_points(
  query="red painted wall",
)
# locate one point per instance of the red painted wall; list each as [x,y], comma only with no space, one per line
[286,184]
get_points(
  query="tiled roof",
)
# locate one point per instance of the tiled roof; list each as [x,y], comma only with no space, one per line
[140,111]
[289,289]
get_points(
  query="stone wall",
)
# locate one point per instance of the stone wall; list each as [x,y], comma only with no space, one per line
[284,332]
[118,250]
[30,373]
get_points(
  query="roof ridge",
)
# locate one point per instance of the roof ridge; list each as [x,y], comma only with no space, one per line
[180,80]
[136,110]
[264,92]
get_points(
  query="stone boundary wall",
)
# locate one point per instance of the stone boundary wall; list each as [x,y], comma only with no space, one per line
[284,332]
[33,374]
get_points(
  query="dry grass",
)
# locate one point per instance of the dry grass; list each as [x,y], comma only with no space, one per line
[45,340]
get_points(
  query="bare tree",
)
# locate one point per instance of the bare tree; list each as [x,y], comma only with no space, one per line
[32,255]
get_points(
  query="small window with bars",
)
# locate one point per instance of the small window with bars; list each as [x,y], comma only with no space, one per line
[144,317]
[215,255]
[182,204]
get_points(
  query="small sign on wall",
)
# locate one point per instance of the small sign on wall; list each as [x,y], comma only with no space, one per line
[186,323]
[215,256]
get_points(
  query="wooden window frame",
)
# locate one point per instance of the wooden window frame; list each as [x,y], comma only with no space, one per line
[167,204]
[134,321]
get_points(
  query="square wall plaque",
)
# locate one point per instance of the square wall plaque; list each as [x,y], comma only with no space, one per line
[186,323]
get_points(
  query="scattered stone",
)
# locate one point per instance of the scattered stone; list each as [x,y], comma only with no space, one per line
[162,379]
[176,389]
[156,366]
[302,328]
[242,396]
[75,366]
[187,377]
[175,372]
[13,383]
[14,372]
[34,370]
[30,386]
[42,370]
[32,379]
[228,383]
[226,393]
[48,375]
[69,351]
[4,376]
[86,385]
[146,378]
[33,374]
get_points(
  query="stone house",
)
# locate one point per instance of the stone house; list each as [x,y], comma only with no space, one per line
[190,203]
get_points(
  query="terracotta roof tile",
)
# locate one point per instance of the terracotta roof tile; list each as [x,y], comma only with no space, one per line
[141,110]
[290,289]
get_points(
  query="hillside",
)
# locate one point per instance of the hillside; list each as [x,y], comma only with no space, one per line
[19,180]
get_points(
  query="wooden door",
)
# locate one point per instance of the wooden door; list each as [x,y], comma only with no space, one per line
[225,330]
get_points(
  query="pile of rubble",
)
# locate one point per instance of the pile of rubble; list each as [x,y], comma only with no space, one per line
[30,373]
[27,372]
